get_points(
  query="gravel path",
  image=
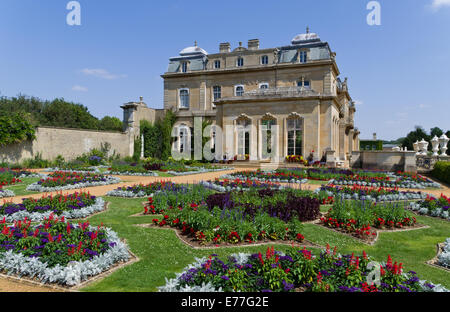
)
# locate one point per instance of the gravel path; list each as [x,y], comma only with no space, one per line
[8,285]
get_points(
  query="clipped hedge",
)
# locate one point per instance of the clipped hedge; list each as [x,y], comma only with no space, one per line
[441,171]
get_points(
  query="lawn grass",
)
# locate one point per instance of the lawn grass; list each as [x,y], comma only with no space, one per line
[162,254]
[21,188]
[317,182]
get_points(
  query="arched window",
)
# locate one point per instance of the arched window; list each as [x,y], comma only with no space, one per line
[243,137]
[264,85]
[267,124]
[239,90]
[295,136]
[240,62]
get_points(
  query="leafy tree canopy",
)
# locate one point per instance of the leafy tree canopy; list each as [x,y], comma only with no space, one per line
[57,113]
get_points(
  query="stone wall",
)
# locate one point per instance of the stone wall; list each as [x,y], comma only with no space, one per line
[384,160]
[69,143]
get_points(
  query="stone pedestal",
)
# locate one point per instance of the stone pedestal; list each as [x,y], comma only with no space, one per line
[331,158]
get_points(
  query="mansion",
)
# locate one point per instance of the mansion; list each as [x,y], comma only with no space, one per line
[291,96]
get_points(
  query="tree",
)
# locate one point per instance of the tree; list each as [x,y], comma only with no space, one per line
[414,136]
[57,113]
[436,131]
[15,128]
[111,123]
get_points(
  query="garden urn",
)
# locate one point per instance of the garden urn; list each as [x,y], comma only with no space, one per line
[435,145]
[416,147]
[443,140]
[423,147]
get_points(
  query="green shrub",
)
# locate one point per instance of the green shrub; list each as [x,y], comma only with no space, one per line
[441,171]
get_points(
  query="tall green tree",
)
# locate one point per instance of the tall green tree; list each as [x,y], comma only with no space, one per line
[15,128]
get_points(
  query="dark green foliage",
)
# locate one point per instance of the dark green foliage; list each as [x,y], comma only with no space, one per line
[111,123]
[15,128]
[441,171]
[158,137]
[57,113]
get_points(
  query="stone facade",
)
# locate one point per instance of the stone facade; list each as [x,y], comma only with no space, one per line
[294,90]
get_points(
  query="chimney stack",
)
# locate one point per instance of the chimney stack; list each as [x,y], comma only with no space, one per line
[225,47]
[253,44]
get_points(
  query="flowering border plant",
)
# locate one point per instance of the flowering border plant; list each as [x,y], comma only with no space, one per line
[58,251]
[295,270]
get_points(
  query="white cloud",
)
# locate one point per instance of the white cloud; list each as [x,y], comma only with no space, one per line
[422,106]
[79,88]
[357,103]
[101,73]
[437,4]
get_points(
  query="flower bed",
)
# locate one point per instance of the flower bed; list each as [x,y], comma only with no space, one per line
[297,270]
[444,257]
[238,184]
[78,169]
[237,217]
[57,251]
[398,179]
[73,206]
[264,177]
[377,194]
[141,190]
[362,218]
[61,181]
[434,207]
[8,177]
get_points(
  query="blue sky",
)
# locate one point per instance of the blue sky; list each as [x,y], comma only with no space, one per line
[399,72]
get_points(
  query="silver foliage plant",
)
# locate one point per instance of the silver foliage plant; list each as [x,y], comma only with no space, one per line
[197,170]
[35,187]
[98,206]
[279,180]
[72,274]
[219,188]
[444,257]
[438,212]
[174,285]
[6,193]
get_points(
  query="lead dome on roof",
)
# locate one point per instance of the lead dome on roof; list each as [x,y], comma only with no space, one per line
[308,37]
[195,50]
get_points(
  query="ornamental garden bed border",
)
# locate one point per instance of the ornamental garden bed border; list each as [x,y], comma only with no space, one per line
[427,215]
[35,187]
[377,232]
[6,194]
[38,217]
[74,274]
[434,262]
[64,288]
[191,242]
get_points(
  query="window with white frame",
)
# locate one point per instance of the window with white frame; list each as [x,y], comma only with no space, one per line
[303,56]
[184,67]
[264,60]
[217,92]
[304,83]
[264,85]
[239,90]
[184,98]
[240,62]
[217,64]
